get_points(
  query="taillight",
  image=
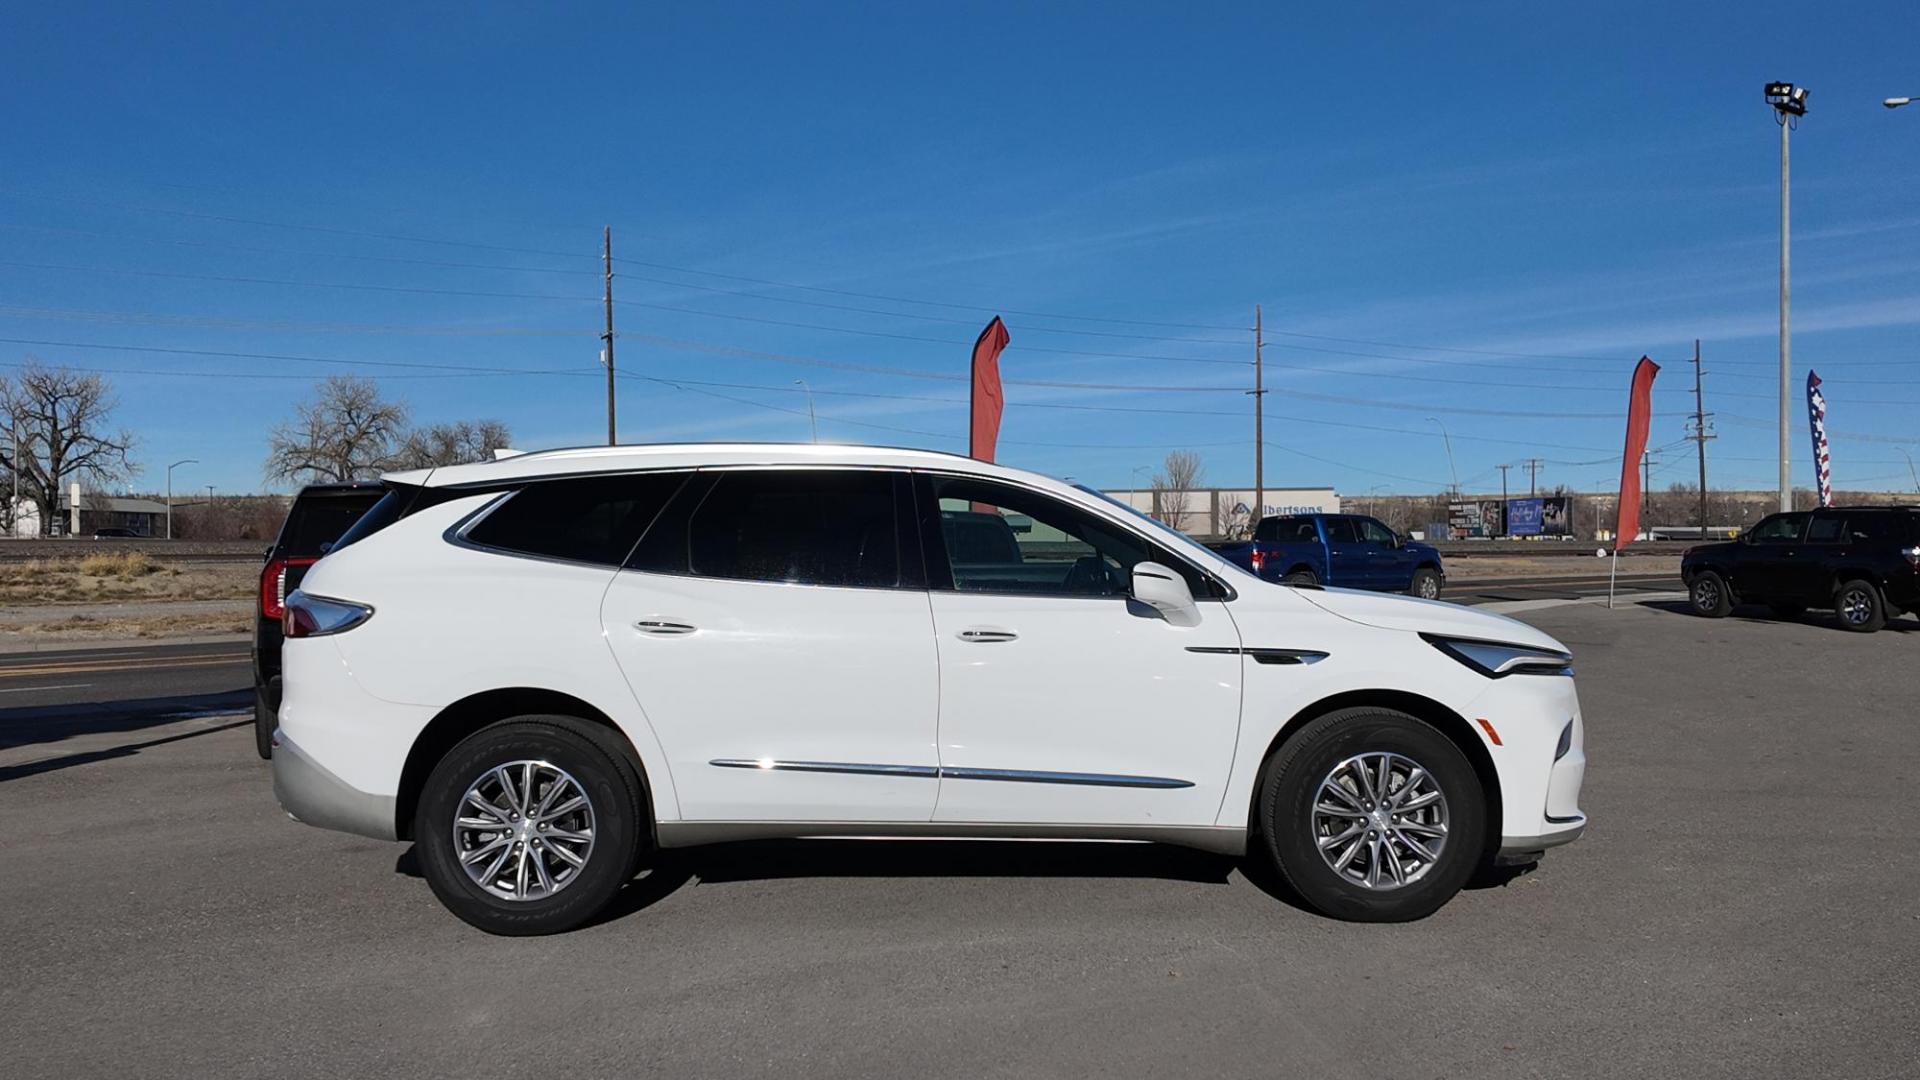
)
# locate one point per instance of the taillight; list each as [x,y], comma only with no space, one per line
[273,586]
[1259,560]
[317,616]
[1913,556]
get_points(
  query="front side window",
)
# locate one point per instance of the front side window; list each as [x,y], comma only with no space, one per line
[1780,529]
[1372,532]
[1340,530]
[998,538]
[799,526]
[585,519]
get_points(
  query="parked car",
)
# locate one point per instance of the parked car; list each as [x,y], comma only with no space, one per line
[317,518]
[115,533]
[1347,550]
[541,670]
[1862,562]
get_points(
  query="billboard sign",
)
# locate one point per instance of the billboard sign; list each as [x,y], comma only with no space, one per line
[1549,516]
[1477,518]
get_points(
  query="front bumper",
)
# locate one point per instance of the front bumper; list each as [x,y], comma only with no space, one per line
[1525,849]
[315,796]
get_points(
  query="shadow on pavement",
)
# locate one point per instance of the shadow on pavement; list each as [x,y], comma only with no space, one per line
[52,723]
[1753,613]
[88,757]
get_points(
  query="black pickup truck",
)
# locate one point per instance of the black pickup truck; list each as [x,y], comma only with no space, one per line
[1862,562]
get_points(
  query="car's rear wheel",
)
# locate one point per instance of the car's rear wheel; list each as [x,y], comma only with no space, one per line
[1426,583]
[1860,606]
[1302,576]
[1373,816]
[530,826]
[1708,595]
[263,724]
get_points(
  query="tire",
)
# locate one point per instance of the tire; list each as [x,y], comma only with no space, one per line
[1707,595]
[561,749]
[1302,576]
[1859,606]
[264,721]
[1425,584]
[1787,611]
[1288,819]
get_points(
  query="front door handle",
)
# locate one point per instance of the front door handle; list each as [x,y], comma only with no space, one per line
[986,635]
[664,627]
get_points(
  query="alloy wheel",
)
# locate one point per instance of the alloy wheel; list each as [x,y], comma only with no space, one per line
[1706,595]
[524,830]
[1856,606]
[1380,820]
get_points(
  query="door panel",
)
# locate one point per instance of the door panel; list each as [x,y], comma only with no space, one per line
[1061,698]
[1083,685]
[777,699]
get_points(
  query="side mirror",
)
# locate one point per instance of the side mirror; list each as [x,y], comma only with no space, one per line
[1166,592]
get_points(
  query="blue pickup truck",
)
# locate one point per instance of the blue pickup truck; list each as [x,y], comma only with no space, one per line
[1351,551]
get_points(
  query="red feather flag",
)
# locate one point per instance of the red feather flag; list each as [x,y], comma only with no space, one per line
[1639,415]
[988,400]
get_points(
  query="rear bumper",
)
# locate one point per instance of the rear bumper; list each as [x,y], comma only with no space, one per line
[315,796]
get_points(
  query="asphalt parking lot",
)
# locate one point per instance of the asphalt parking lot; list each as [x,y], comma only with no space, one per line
[1743,905]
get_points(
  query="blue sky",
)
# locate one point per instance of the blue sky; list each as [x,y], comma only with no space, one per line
[1480,213]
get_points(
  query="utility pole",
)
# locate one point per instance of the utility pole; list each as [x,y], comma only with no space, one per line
[1503,482]
[1259,423]
[1533,472]
[1646,493]
[607,354]
[1789,104]
[1700,435]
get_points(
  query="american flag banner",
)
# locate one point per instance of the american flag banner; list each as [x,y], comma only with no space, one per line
[1817,420]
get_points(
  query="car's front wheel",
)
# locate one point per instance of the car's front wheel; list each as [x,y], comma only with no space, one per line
[1372,815]
[1708,595]
[530,826]
[1426,583]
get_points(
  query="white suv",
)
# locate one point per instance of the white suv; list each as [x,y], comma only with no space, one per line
[542,669]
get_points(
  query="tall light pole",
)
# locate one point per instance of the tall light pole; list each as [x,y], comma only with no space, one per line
[1789,105]
[1896,102]
[1448,439]
[170,468]
[811,422]
[1911,471]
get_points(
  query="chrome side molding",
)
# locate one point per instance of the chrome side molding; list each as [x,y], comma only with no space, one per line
[1265,656]
[950,772]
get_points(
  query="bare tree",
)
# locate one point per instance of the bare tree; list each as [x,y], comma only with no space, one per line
[452,444]
[56,420]
[346,432]
[1173,487]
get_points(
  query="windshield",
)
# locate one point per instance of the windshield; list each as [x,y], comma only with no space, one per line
[1192,547]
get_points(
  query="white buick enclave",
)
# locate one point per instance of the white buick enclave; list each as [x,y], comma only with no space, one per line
[542,669]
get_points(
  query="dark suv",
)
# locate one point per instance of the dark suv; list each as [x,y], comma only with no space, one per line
[320,514]
[1862,562]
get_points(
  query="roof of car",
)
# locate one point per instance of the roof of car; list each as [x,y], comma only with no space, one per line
[599,459]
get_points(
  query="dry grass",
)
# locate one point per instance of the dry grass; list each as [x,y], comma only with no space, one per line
[96,627]
[134,575]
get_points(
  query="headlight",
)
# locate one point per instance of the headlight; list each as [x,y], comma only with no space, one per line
[1496,659]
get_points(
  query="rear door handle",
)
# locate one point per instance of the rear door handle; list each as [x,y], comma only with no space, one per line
[664,627]
[986,635]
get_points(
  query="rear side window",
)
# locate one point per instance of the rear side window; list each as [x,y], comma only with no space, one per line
[1826,529]
[319,520]
[804,527]
[585,519]
[1340,531]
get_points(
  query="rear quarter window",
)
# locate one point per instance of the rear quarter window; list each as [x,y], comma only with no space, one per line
[585,519]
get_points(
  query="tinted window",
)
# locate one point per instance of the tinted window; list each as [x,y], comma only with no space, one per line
[1373,532]
[1826,529]
[318,520]
[1780,529]
[1881,527]
[1004,539]
[805,527]
[589,519]
[1340,531]
[1289,530]
[397,503]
